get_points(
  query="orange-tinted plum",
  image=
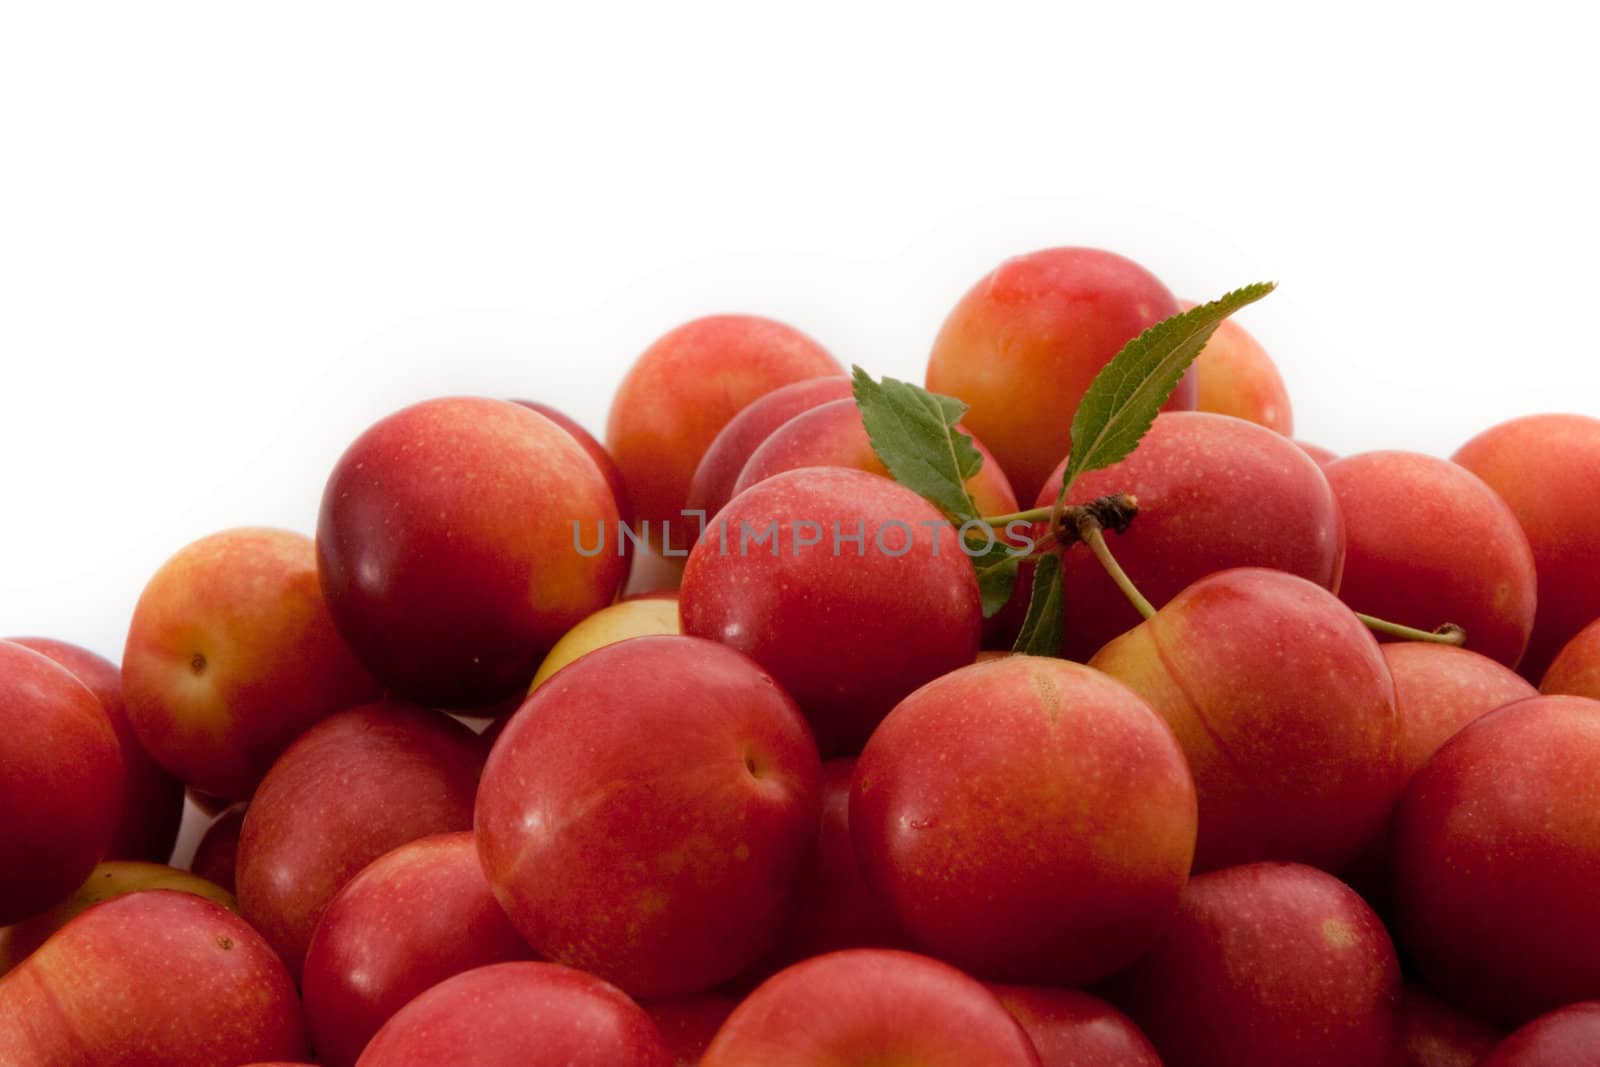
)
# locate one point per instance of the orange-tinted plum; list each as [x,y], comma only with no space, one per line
[354,786]
[1028,819]
[1285,709]
[411,919]
[1073,1029]
[457,541]
[865,1007]
[60,782]
[1569,1037]
[1022,346]
[1576,670]
[160,977]
[1271,965]
[644,814]
[713,482]
[832,435]
[1496,855]
[518,1015]
[849,588]
[231,655]
[1543,466]
[1436,1035]
[1214,492]
[152,799]
[1427,542]
[1236,377]
[683,390]
[597,452]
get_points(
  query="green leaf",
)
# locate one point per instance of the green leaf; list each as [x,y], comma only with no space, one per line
[1041,630]
[914,433]
[1122,401]
[997,576]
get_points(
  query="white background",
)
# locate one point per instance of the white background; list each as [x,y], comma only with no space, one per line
[233,235]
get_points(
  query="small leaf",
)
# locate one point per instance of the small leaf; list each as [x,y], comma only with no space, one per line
[914,433]
[1042,629]
[1124,398]
[997,577]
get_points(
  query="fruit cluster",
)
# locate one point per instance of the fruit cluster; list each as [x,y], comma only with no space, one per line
[1064,712]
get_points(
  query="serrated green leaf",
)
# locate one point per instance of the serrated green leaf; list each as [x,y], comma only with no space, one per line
[997,577]
[914,433]
[1122,402]
[1042,629]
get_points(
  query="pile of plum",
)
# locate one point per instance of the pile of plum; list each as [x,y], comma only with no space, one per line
[717,744]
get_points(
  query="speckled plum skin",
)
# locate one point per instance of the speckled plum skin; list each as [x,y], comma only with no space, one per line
[597,452]
[847,635]
[108,880]
[1023,344]
[682,391]
[61,789]
[1496,855]
[517,1014]
[92,993]
[1028,819]
[1236,377]
[1543,467]
[447,551]
[1439,690]
[833,435]
[1070,1028]
[1576,670]
[1568,1037]
[1427,542]
[654,790]
[152,799]
[354,786]
[719,469]
[411,919]
[871,1006]
[1214,492]
[231,655]
[1285,709]
[1272,965]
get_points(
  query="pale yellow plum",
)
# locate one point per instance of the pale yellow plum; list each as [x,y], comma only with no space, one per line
[114,878]
[642,617]
[1236,377]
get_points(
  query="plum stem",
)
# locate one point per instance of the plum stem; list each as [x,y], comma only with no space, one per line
[1031,515]
[1448,634]
[1092,534]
